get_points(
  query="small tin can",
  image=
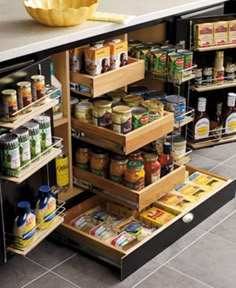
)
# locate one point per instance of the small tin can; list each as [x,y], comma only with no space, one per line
[159,61]
[142,52]
[45,131]
[177,105]
[207,76]
[38,88]
[121,119]
[24,142]
[140,117]
[24,96]
[188,61]
[34,133]
[198,77]
[132,44]
[10,106]
[176,65]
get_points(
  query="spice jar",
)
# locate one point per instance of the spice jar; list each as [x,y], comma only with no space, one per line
[152,168]
[10,106]
[136,155]
[117,168]
[121,119]
[24,96]
[101,113]
[38,88]
[82,158]
[99,163]
[134,175]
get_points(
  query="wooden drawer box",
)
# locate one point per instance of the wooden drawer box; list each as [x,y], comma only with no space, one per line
[130,260]
[111,80]
[125,143]
[132,198]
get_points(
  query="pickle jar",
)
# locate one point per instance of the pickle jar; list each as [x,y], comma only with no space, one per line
[135,175]
[117,168]
[82,158]
[99,163]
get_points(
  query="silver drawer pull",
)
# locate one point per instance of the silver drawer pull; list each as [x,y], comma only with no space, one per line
[188,218]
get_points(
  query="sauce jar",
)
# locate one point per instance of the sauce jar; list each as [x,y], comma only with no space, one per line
[101,113]
[38,88]
[82,158]
[136,155]
[99,163]
[135,175]
[117,168]
[24,96]
[10,106]
[121,119]
[82,111]
[152,168]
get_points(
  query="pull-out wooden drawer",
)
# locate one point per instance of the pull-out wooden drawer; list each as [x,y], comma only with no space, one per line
[133,258]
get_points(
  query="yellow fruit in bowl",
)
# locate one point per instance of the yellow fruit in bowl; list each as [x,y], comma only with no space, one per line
[61,13]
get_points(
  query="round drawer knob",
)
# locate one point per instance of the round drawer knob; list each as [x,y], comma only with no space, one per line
[188,218]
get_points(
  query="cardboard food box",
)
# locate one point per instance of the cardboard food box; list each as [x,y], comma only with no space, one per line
[118,53]
[156,216]
[221,33]
[232,31]
[203,35]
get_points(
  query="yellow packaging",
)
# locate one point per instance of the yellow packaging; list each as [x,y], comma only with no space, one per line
[205,181]
[118,53]
[97,59]
[232,31]
[157,216]
[191,191]
[220,33]
[203,35]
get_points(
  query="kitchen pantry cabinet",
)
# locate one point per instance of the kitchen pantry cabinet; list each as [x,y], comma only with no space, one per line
[124,201]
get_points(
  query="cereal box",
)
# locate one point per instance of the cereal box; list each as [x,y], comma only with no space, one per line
[203,35]
[220,33]
[232,31]
[119,53]
[97,59]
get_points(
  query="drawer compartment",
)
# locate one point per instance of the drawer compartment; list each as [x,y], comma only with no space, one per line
[132,198]
[133,258]
[125,143]
[111,80]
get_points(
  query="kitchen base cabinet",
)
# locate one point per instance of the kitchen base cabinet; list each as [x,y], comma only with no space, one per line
[128,261]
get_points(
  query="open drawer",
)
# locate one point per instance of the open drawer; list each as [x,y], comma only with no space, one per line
[128,261]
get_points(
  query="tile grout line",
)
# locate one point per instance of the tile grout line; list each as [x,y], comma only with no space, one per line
[38,277]
[67,280]
[185,248]
[72,256]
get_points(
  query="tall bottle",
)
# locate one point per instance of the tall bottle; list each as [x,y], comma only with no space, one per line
[166,159]
[216,122]
[219,70]
[201,125]
[57,109]
[62,171]
[229,116]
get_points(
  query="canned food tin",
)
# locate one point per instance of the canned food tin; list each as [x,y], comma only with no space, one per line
[24,95]
[155,109]
[121,119]
[131,46]
[24,142]
[45,131]
[176,65]
[101,113]
[38,88]
[142,52]
[34,133]
[9,152]
[10,106]
[83,111]
[140,117]
[188,57]
[177,105]
[159,61]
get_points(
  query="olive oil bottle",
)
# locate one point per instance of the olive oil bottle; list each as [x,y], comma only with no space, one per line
[62,172]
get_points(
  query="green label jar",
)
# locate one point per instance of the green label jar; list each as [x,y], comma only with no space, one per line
[45,132]
[34,133]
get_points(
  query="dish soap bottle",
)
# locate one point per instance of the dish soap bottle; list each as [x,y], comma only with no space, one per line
[25,224]
[229,116]
[57,108]
[45,207]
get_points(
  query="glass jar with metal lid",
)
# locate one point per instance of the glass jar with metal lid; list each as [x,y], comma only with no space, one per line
[99,163]
[135,175]
[117,168]
[121,119]
[38,88]
[24,96]
[101,113]
[10,106]
[82,158]
[152,168]
[82,111]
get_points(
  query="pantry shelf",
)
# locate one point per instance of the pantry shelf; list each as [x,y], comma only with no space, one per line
[212,48]
[210,143]
[60,122]
[214,87]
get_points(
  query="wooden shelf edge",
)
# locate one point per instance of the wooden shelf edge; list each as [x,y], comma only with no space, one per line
[65,196]
[212,48]
[188,119]
[210,143]
[35,166]
[60,122]
[214,87]
[37,110]
[39,237]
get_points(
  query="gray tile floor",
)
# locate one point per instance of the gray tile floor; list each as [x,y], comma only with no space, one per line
[205,257]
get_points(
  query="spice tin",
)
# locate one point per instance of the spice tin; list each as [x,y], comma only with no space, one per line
[24,142]
[45,131]
[176,65]
[34,133]
[9,153]
[38,88]
[10,106]
[24,95]
[140,117]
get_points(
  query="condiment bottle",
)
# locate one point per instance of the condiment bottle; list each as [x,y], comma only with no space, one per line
[219,70]
[45,207]
[135,175]
[62,171]
[152,168]
[166,159]
[25,224]
[201,123]
[117,168]
[229,116]
[216,122]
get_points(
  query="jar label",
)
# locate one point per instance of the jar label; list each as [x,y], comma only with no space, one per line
[230,124]
[46,138]
[117,179]
[138,185]
[99,172]
[25,151]
[62,171]
[11,158]
[35,145]
[25,227]
[201,129]
[83,166]
[124,127]
[45,210]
